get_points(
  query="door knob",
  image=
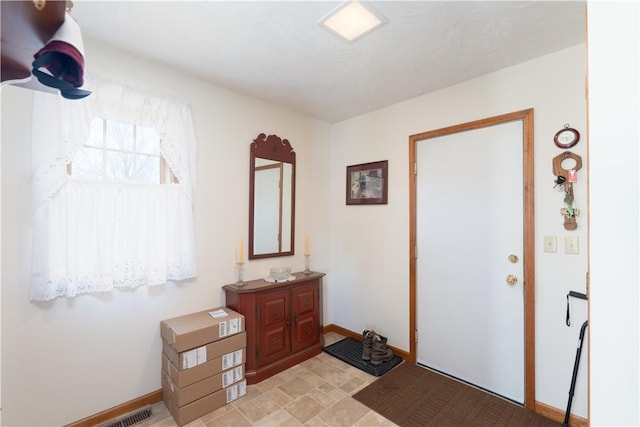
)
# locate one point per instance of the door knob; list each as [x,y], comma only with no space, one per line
[512,280]
[513,259]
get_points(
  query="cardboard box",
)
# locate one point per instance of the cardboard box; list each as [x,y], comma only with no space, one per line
[195,391]
[199,355]
[205,370]
[198,408]
[197,329]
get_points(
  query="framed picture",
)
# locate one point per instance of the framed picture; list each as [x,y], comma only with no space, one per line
[367,183]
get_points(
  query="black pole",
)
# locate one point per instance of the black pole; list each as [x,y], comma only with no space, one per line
[575,374]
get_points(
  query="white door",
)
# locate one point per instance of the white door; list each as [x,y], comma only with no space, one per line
[469,220]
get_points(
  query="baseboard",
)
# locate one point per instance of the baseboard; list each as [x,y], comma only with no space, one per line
[556,414]
[116,411]
[358,336]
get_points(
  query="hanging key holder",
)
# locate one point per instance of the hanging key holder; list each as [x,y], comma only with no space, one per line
[566,178]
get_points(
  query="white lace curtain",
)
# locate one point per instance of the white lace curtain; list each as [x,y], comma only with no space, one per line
[93,236]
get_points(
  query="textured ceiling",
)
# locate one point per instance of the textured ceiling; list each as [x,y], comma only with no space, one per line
[276,51]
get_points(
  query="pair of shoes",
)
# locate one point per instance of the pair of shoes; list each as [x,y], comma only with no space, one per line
[367,342]
[379,351]
[374,348]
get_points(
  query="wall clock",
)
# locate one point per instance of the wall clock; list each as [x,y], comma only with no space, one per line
[566,137]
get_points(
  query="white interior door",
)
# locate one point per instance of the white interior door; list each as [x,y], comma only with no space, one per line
[469,220]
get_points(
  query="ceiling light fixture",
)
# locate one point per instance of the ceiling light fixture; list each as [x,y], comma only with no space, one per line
[352,19]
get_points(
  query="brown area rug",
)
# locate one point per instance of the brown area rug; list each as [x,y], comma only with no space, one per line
[410,395]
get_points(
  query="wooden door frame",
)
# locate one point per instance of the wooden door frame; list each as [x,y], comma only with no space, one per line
[526,116]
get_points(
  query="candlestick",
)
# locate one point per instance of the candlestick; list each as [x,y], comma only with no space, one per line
[307,270]
[239,282]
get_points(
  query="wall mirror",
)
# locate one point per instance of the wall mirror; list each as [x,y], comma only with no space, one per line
[272,185]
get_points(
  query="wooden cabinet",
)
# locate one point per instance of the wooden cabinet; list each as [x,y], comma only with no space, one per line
[283,322]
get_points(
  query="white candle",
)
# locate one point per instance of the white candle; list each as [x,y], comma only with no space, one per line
[306,245]
[240,252]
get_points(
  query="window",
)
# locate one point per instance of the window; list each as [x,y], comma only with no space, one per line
[121,152]
[103,214]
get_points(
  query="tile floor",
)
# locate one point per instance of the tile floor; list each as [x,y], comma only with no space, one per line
[316,392]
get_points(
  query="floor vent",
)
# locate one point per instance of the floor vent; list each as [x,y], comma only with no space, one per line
[129,419]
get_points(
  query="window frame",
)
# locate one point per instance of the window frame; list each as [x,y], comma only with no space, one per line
[165,174]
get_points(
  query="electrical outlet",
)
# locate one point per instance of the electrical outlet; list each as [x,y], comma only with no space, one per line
[550,244]
[571,245]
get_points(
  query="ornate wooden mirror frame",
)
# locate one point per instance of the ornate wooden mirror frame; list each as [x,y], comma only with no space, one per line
[272,185]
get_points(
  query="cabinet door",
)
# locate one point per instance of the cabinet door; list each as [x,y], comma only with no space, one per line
[274,340]
[305,313]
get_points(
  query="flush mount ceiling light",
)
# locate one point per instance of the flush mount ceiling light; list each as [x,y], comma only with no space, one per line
[352,19]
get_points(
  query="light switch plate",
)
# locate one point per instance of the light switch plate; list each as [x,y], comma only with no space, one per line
[571,245]
[550,244]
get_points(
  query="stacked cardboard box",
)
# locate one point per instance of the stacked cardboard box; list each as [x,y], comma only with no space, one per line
[203,357]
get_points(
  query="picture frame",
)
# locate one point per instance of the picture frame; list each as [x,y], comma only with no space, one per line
[367,183]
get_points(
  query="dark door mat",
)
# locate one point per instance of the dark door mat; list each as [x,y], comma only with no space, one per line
[349,350]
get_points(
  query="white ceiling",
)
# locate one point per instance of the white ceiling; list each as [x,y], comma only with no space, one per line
[276,51]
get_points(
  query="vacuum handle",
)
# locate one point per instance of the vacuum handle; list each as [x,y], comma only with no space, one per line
[575,295]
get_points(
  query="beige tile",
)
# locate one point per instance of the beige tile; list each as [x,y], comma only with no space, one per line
[286,376]
[334,391]
[290,422]
[323,398]
[278,396]
[327,387]
[316,422]
[303,408]
[352,384]
[268,404]
[331,373]
[311,363]
[297,369]
[217,413]
[252,392]
[345,412]
[277,419]
[312,378]
[272,382]
[251,411]
[296,387]
[373,419]
[233,418]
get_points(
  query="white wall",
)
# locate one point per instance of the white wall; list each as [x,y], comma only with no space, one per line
[75,357]
[70,358]
[614,112]
[370,246]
